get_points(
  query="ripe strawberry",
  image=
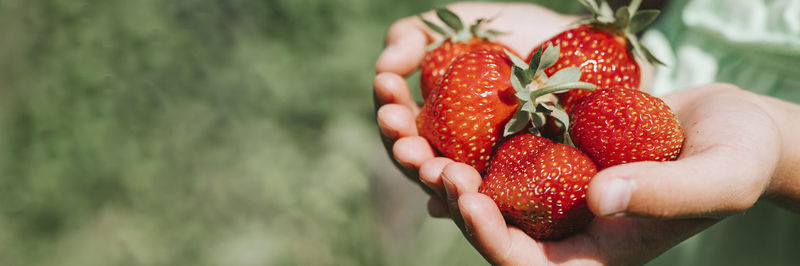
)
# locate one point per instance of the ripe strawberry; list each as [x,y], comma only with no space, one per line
[479,103]
[458,41]
[603,48]
[464,118]
[614,126]
[540,186]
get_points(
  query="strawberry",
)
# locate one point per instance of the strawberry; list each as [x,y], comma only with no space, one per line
[464,118]
[604,48]
[479,103]
[540,186]
[615,126]
[458,41]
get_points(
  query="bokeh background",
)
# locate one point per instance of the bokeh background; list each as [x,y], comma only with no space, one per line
[188,132]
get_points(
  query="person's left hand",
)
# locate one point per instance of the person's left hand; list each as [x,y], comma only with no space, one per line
[729,160]
[607,241]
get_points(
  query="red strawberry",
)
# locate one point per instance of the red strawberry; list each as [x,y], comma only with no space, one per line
[458,41]
[464,118]
[540,186]
[604,48]
[479,103]
[615,126]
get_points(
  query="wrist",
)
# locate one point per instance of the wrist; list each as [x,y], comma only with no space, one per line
[784,189]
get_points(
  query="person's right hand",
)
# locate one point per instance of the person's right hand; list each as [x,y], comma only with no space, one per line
[525,25]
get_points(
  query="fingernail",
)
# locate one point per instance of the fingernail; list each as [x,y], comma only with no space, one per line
[617,197]
[450,188]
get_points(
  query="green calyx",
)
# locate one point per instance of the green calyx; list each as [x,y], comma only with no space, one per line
[627,21]
[532,88]
[455,30]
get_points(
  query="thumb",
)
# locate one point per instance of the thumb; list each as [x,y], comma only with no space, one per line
[715,183]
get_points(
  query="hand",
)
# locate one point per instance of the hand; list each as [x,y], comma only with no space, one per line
[733,155]
[688,195]
[405,48]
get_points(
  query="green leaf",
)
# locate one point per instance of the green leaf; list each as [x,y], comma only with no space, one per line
[633,45]
[522,75]
[642,19]
[490,34]
[496,32]
[640,51]
[534,131]
[606,13]
[570,74]
[549,56]
[650,57]
[634,6]
[518,62]
[435,27]
[538,120]
[517,123]
[523,95]
[544,108]
[522,92]
[537,56]
[451,19]
[591,5]
[475,28]
[561,116]
[623,17]
[528,107]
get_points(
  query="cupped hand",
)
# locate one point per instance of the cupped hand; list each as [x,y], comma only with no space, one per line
[732,156]
[525,25]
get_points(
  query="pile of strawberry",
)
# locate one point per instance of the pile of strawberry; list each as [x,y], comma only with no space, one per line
[486,107]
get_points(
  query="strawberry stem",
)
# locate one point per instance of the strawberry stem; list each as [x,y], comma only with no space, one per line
[455,30]
[558,88]
[530,83]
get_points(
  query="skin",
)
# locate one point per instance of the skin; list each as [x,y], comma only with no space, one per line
[737,151]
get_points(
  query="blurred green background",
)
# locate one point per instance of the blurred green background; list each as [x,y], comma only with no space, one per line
[188,132]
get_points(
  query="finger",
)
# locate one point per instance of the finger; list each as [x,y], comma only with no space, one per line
[392,88]
[459,178]
[486,229]
[437,207]
[484,224]
[703,185]
[430,173]
[412,151]
[396,121]
[405,47]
